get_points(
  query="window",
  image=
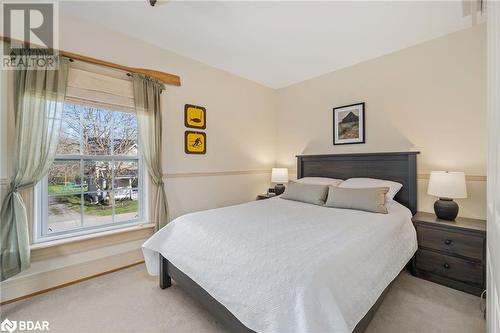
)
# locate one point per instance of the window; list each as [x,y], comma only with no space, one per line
[95,182]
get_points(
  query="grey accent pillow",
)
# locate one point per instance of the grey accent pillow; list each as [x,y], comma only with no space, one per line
[309,193]
[367,199]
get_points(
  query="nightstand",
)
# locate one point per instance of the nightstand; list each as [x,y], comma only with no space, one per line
[451,253]
[265,196]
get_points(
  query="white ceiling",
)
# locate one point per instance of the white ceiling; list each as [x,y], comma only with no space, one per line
[278,43]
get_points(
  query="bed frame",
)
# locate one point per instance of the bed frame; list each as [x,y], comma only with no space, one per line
[400,167]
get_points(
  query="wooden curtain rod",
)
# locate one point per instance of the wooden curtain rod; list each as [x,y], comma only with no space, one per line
[166,78]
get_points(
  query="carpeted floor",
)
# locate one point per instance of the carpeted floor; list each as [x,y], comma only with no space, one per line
[130,301]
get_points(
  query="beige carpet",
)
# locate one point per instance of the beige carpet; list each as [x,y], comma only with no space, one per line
[130,301]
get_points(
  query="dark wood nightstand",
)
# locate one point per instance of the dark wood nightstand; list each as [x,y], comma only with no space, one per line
[265,196]
[451,253]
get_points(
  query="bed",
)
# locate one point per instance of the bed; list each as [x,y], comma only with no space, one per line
[284,266]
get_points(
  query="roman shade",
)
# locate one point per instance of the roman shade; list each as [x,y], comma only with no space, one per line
[104,91]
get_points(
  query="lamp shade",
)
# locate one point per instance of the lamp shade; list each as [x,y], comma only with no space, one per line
[279,175]
[445,184]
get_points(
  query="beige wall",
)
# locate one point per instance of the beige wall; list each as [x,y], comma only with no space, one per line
[240,151]
[240,122]
[430,97]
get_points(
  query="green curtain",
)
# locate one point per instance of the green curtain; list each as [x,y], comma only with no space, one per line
[147,93]
[39,96]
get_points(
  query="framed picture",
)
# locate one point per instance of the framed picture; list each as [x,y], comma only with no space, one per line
[195,142]
[349,124]
[195,116]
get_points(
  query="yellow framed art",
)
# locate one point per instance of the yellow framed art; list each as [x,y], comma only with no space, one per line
[195,116]
[195,142]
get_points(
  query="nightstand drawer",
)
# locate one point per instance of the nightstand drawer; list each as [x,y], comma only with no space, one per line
[450,267]
[453,243]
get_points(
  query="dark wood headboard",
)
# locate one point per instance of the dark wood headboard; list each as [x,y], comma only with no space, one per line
[398,167]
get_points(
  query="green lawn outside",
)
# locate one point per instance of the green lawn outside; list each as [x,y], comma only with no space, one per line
[66,189]
[121,206]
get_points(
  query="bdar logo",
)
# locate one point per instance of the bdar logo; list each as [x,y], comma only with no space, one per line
[8,326]
[24,325]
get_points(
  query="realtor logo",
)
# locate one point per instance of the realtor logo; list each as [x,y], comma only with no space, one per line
[8,326]
[31,28]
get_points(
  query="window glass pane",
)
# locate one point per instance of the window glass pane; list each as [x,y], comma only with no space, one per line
[64,177]
[126,204]
[69,138]
[126,174]
[97,208]
[97,175]
[64,213]
[99,183]
[97,129]
[124,134]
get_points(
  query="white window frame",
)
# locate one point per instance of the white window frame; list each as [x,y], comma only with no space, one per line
[40,220]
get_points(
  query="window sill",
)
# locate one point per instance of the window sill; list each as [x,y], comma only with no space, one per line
[58,242]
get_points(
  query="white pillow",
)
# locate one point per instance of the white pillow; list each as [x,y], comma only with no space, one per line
[372,182]
[319,181]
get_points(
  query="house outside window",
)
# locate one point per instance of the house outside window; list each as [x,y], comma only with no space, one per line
[96,180]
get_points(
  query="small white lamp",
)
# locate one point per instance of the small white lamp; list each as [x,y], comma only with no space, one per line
[279,176]
[447,186]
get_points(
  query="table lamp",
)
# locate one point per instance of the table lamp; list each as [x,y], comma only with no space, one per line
[279,176]
[447,186]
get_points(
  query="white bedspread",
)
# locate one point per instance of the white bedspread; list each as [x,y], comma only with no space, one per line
[282,266]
